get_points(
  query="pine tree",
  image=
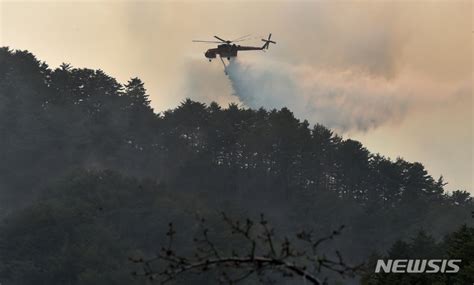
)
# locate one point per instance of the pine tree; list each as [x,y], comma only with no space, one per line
[135,90]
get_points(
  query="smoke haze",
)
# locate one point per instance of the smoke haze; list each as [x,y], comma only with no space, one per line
[394,75]
[343,101]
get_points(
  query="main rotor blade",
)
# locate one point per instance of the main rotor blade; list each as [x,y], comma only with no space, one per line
[239,39]
[222,40]
[236,41]
[214,42]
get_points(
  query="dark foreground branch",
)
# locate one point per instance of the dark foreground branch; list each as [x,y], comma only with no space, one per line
[262,254]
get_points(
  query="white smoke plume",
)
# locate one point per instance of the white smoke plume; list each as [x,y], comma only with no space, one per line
[342,100]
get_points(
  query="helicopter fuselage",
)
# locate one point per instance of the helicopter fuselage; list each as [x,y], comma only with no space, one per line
[224,50]
[227,51]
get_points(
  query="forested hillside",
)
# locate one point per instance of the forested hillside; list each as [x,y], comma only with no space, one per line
[89,174]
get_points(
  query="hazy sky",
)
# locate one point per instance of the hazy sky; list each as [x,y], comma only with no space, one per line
[396,75]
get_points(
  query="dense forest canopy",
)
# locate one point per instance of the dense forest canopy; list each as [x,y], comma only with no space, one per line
[89,173]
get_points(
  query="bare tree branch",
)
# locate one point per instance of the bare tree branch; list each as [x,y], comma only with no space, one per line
[260,257]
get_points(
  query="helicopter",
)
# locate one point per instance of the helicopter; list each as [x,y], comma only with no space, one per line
[228,49]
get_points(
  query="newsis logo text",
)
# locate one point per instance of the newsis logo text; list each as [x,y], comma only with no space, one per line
[418,265]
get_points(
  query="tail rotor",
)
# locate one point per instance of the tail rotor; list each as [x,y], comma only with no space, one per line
[267,42]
